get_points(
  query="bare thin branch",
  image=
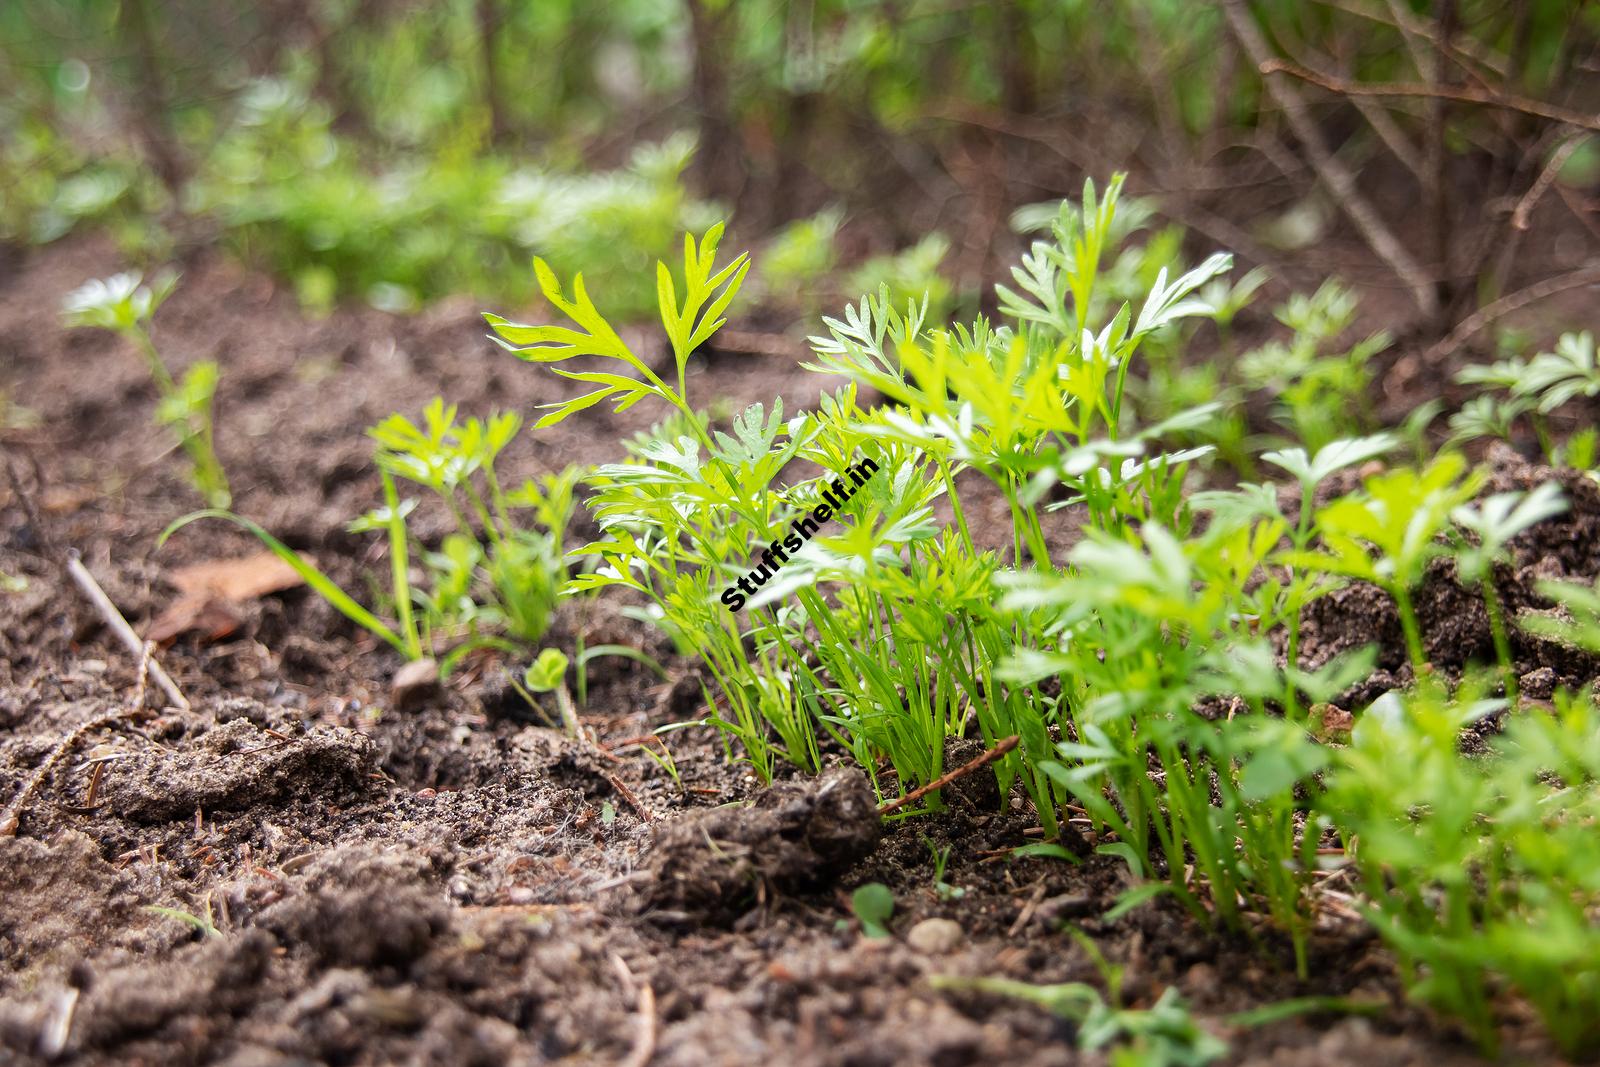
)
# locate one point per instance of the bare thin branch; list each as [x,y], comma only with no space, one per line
[1541,185]
[1332,172]
[124,632]
[1466,94]
[1506,305]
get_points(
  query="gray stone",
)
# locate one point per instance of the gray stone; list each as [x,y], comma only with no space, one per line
[414,683]
[935,937]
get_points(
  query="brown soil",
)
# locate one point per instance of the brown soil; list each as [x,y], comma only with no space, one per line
[457,883]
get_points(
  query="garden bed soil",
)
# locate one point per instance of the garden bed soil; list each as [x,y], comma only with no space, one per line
[456,882]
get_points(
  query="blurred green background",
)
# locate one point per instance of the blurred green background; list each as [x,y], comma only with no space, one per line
[395,152]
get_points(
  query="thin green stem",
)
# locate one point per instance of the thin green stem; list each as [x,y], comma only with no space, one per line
[1408,624]
[1025,526]
[1502,643]
[400,568]
[955,503]
[476,501]
[158,369]
[498,499]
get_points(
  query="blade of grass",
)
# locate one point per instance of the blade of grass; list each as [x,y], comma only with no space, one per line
[1288,1009]
[400,567]
[319,582]
[625,651]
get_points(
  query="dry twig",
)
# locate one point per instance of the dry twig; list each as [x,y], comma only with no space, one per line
[1506,305]
[35,523]
[984,760]
[627,794]
[644,1040]
[1333,173]
[1465,94]
[119,626]
[1028,909]
[1530,199]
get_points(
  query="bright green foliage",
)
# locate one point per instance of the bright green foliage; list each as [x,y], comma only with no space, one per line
[800,269]
[546,672]
[293,195]
[493,573]
[1322,393]
[492,581]
[688,325]
[1141,670]
[50,186]
[1035,408]
[1493,523]
[873,905]
[912,649]
[1401,514]
[941,859]
[680,517]
[1481,872]
[797,262]
[202,923]
[1581,627]
[1163,1035]
[909,274]
[1144,634]
[1548,380]
[915,679]
[1310,472]
[124,306]
[1534,389]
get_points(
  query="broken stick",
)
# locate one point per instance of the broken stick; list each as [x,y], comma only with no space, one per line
[1000,749]
[119,626]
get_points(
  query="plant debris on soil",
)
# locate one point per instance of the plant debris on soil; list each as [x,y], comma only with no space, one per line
[339,881]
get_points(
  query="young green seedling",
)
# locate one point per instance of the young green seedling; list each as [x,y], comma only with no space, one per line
[1400,514]
[548,674]
[1535,387]
[873,904]
[1310,473]
[1495,521]
[492,582]
[1144,670]
[1163,1035]
[124,306]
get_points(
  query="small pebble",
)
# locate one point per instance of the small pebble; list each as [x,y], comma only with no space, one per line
[395,1008]
[935,937]
[414,683]
[1201,978]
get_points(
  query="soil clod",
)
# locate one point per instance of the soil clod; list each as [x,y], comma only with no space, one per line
[719,864]
[237,766]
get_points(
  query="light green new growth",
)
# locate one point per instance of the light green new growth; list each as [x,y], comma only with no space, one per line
[1153,672]
[124,306]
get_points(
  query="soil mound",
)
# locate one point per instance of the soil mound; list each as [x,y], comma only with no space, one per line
[715,865]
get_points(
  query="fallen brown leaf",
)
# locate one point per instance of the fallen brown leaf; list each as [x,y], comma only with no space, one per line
[213,591]
[237,579]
